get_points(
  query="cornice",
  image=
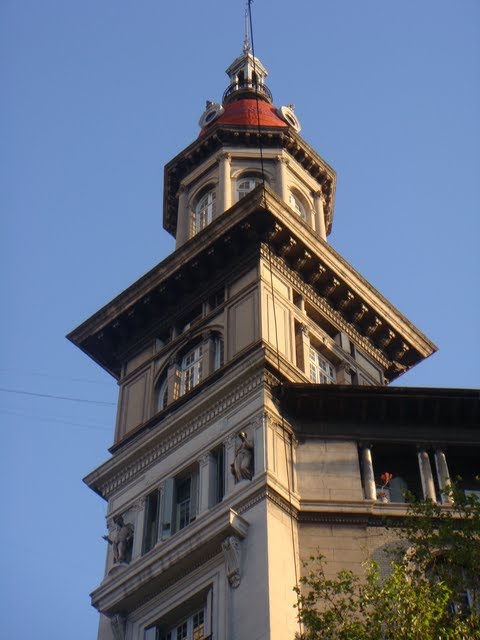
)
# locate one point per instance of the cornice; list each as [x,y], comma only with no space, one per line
[355,301]
[151,447]
[262,216]
[326,308]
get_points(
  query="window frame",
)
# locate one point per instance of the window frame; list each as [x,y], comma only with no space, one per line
[192,368]
[205,209]
[297,203]
[319,374]
[251,178]
[193,615]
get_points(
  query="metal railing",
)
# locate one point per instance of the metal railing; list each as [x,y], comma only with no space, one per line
[246,85]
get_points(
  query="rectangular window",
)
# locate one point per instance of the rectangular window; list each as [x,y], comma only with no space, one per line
[321,370]
[179,502]
[218,456]
[183,505]
[191,620]
[191,628]
[150,535]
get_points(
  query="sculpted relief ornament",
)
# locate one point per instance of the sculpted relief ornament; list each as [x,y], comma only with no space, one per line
[118,624]
[120,536]
[231,553]
[242,465]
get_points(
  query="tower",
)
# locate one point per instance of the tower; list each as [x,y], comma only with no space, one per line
[237,359]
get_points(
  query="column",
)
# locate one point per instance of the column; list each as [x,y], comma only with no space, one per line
[428,484]
[305,338]
[139,521]
[229,458]
[259,437]
[183,217]
[319,204]
[344,374]
[205,480]
[367,473]
[282,178]
[225,186]
[442,474]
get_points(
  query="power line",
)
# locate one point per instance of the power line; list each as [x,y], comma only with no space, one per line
[284,429]
[42,374]
[94,427]
[51,396]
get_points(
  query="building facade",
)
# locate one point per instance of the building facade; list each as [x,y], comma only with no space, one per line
[254,418]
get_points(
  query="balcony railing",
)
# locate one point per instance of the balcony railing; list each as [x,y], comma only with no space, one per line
[247,85]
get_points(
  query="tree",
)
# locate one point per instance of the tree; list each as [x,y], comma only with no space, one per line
[431,593]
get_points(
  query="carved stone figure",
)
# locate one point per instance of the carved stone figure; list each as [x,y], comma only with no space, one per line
[242,466]
[118,623]
[120,536]
[231,553]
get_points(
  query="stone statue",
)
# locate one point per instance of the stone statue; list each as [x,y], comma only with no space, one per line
[120,536]
[242,466]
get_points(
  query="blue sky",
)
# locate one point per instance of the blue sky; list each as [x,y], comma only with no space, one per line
[96,98]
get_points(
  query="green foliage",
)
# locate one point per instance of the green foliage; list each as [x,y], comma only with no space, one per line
[422,598]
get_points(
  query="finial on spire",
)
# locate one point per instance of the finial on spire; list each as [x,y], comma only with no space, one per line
[246,42]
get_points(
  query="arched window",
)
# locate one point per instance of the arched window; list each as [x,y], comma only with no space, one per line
[245,184]
[205,210]
[297,206]
[192,369]
[188,369]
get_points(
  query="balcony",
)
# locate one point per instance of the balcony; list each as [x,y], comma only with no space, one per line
[247,86]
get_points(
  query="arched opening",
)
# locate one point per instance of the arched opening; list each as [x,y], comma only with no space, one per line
[245,184]
[297,205]
[205,210]
[161,393]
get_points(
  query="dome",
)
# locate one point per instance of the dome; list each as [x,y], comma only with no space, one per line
[244,112]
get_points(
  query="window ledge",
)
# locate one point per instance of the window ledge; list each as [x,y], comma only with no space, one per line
[129,585]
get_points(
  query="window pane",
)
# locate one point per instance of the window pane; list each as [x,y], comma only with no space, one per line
[205,211]
[192,369]
[245,185]
[183,503]
[297,206]
[182,631]
[321,370]
[198,626]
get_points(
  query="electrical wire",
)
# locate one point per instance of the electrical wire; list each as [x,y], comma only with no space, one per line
[284,429]
[50,376]
[93,427]
[55,397]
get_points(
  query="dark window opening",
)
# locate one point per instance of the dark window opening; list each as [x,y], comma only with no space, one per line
[150,535]
[401,463]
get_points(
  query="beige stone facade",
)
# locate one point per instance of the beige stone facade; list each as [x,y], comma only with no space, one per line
[255,326]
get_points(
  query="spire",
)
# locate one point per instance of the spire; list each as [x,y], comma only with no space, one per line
[247,74]
[246,42]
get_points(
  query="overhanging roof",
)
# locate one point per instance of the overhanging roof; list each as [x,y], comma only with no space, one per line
[316,404]
[342,294]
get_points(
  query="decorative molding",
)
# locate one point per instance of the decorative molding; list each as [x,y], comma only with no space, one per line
[118,622]
[138,505]
[204,459]
[157,451]
[323,304]
[231,554]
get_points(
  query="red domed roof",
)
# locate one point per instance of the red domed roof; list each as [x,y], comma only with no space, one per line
[244,112]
